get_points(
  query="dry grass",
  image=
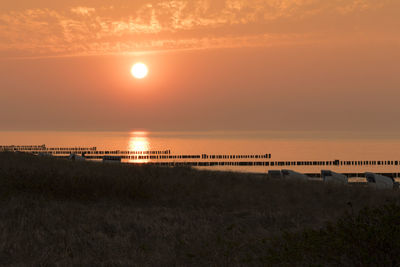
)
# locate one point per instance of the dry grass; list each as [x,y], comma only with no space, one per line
[369,238]
[80,213]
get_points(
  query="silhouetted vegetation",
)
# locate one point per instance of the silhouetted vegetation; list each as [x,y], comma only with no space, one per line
[84,213]
[371,238]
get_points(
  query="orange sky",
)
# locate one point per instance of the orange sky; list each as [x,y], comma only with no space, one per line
[233,64]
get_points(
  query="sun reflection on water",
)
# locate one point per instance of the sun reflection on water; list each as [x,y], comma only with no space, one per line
[139,146]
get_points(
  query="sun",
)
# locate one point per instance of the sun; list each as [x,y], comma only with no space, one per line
[139,70]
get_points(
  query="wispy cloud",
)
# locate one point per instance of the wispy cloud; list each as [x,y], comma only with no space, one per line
[189,24]
[84,11]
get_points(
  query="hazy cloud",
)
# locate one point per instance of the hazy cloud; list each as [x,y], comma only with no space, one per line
[196,24]
[81,10]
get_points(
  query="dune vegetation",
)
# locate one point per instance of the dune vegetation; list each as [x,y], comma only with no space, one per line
[59,212]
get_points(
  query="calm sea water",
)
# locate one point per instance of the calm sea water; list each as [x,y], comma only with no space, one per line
[283,146]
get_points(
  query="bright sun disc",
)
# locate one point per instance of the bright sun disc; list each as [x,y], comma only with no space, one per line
[139,70]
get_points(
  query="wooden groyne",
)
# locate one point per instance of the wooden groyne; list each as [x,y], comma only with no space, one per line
[166,158]
[283,164]
[60,151]
[93,153]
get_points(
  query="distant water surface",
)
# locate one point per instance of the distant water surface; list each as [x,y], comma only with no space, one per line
[295,146]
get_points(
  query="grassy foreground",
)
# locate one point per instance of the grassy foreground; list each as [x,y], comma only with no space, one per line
[56,212]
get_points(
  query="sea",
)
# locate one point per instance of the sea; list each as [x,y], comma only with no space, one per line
[282,145]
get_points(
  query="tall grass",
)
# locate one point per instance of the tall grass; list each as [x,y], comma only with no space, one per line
[370,238]
[84,213]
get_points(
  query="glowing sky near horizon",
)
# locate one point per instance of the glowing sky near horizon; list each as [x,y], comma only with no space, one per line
[215,64]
